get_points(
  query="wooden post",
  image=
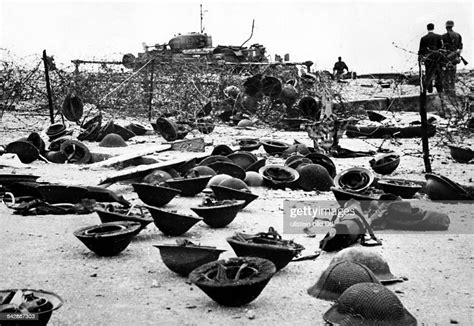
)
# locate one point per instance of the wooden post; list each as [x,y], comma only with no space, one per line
[150,99]
[48,87]
[424,120]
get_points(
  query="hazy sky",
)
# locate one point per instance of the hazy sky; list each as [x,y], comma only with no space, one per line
[362,32]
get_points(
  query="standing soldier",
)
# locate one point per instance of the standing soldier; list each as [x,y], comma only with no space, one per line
[453,45]
[430,44]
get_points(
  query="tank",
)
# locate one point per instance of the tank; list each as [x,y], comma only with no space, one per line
[195,46]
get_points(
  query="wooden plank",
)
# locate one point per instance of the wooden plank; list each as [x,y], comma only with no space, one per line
[142,170]
[128,156]
[189,145]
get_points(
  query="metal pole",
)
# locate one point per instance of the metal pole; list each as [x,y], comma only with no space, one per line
[201,18]
[424,121]
[48,87]
[150,99]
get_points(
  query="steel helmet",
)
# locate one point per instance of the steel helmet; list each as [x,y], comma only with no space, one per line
[368,258]
[73,107]
[288,95]
[232,91]
[368,304]
[356,179]
[338,277]
[112,140]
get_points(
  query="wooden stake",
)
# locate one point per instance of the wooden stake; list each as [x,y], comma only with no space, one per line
[424,121]
[48,87]
[150,99]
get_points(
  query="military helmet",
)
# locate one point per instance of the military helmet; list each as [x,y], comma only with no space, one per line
[232,91]
[368,304]
[370,259]
[112,140]
[338,277]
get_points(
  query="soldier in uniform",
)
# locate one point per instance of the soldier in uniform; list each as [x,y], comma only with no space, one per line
[429,54]
[453,45]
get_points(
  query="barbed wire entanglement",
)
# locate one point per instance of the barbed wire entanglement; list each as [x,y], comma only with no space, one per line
[182,88]
[457,103]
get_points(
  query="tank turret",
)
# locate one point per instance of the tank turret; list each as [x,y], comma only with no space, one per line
[190,41]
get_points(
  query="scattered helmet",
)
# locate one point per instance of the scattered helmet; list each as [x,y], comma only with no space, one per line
[75,151]
[112,140]
[106,129]
[125,133]
[234,183]
[36,140]
[323,160]
[90,122]
[314,177]
[90,133]
[288,95]
[200,171]
[156,177]
[309,107]
[369,304]
[386,163]
[292,157]
[72,108]
[461,154]
[128,60]
[339,277]
[278,175]
[253,179]
[245,123]
[299,163]
[55,145]
[231,91]
[439,187]
[297,148]
[355,179]
[222,149]
[26,151]
[137,129]
[55,131]
[217,179]
[368,258]
[56,156]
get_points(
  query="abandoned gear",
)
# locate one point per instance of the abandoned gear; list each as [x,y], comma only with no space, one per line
[348,229]
[391,212]
[429,54]
[453,45]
